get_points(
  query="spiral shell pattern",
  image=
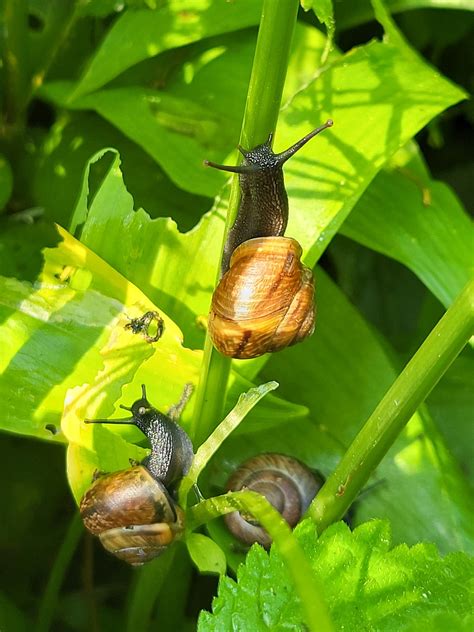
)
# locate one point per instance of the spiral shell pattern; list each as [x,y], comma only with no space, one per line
[132,513]
[265,301]
[285,482]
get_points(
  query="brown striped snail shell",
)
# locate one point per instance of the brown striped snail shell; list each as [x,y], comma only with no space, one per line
[265,301]
[286,483]
[133,515]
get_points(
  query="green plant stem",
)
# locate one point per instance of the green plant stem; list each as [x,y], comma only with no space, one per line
[261,114]
[56,577]
[306,584]
[395,409]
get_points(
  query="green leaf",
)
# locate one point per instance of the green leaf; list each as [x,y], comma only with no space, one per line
[152,252]
[433,239]
[379,96]
[368,585]
[206,554]
[324,11]
[360,11]
[174,131]
[64,154]
[148,33]
[72,325]
[451,405]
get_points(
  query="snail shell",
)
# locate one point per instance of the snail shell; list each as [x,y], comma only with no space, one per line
[265,301]
[285,482]
[132,513]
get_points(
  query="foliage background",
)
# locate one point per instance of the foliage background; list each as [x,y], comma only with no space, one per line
[164,95]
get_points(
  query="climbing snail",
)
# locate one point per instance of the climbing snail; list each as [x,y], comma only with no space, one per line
[133,511]
[285,482]
[265,299]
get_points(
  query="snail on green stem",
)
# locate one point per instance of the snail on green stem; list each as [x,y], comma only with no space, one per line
[265,299]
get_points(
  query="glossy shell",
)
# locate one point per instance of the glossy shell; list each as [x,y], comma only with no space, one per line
[285,482]
[265,301]
[132,513]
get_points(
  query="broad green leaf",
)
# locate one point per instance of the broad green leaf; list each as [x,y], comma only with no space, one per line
[69,329]
[152,252]
[206,554]
[367,584]
[434,240]
[379,96]
[349,14]
[452,406]
[6,182]
[176,132]
[148,33]
[67,148]
[199,114]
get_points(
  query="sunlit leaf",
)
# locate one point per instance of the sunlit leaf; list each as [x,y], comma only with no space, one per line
[148,33]
[72,327]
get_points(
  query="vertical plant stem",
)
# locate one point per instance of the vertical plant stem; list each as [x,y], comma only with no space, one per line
[261,113]
[50,596]
[402,399]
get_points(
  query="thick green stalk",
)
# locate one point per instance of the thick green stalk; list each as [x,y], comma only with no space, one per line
[395,409]
[50,597]
[261,113]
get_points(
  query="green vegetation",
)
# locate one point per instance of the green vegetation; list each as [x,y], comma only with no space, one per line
[107,212]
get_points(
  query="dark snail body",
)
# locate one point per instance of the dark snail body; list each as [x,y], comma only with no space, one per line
[285,482]
[263,188]
[263,213]
[133,511]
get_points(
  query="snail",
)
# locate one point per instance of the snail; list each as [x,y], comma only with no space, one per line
[265,299]
[285,482]
[133,511]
